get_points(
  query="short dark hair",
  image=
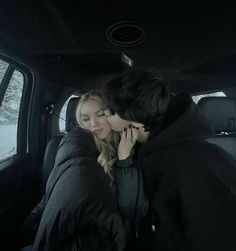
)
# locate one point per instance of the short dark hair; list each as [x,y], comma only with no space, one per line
[137,95]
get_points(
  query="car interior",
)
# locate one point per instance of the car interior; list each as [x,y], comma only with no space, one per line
[51,51]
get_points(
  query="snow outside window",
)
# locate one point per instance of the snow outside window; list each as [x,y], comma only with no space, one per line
[9,113]
[3,68]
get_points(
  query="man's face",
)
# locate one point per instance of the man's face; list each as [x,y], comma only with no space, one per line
[116,122]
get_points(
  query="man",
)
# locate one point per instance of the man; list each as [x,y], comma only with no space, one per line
[191,183]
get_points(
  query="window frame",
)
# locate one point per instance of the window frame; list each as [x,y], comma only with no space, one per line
[25,104]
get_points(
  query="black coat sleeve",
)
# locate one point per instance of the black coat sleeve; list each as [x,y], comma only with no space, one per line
[209,199]
[131,196]
[197,200]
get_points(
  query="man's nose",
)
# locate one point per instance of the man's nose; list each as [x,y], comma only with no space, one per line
[108,119]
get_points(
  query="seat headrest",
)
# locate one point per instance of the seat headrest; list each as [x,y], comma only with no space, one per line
[221,112]
[71,121]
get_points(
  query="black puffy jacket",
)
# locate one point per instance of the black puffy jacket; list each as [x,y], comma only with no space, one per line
[81,210]
[128,188]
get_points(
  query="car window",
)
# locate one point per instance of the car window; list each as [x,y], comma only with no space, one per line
[62,119]
[3,68]
[9,113]
[196,98]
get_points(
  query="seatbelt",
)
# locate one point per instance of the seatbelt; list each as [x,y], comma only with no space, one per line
[49,111]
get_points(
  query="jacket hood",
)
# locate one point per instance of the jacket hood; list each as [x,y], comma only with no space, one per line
[183,121]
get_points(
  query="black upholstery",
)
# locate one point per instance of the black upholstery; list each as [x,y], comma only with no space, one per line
[228,143]
[49,158]
[221,112]
[52,146]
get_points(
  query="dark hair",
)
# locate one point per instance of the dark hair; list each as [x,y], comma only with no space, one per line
[137,95]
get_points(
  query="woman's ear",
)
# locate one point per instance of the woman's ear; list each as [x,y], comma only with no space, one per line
[136,124]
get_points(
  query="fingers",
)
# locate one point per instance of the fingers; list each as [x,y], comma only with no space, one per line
[130,134]
[124,136]
[128,139]
[135,131]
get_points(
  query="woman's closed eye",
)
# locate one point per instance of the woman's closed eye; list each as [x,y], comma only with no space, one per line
[85,119]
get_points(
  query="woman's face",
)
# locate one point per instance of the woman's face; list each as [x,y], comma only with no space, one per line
[94,119]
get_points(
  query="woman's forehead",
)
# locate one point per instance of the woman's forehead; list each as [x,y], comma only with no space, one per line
[91,105]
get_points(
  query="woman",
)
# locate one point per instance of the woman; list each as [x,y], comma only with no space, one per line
[116,157]
[75,155]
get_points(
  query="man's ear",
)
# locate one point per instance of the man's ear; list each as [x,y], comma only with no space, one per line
[136,124]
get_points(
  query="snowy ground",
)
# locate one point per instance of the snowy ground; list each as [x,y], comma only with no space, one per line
[8,134]
[8,138]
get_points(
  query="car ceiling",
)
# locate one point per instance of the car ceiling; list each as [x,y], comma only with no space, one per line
[192,44]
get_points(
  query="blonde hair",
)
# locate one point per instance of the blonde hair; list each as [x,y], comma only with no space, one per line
[107,149]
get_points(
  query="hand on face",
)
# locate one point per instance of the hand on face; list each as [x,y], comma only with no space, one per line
[128,139]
